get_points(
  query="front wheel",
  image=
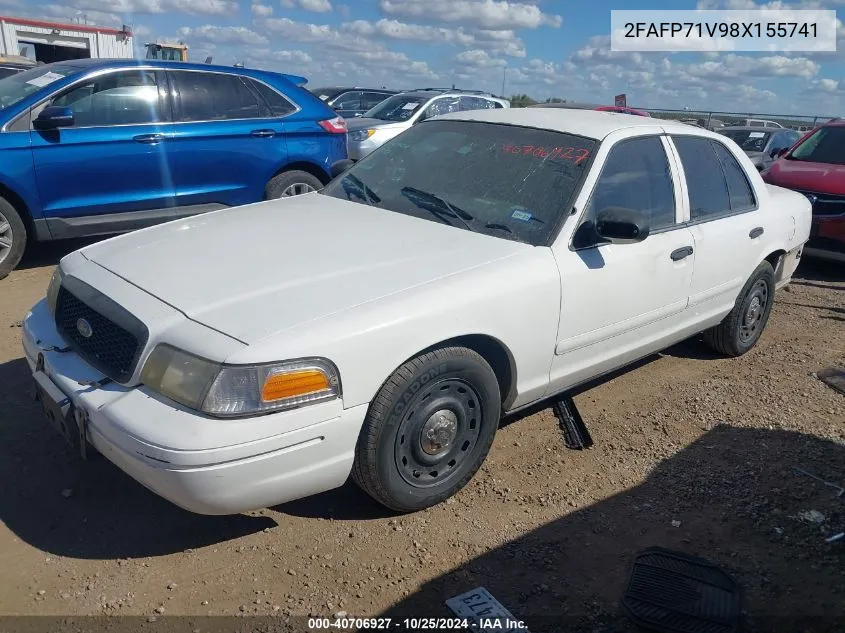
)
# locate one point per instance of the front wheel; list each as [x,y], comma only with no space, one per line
[428,429]
[741,329]
[12,238]
[291,183]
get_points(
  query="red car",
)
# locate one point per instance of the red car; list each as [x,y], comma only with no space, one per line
[815,166]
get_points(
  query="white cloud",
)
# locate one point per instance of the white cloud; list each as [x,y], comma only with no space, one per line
[65,13]
[732,66]
[504,42]
[489,14]
[320,34]
[315,6]
[262,10]
[479,59]
[222,35]
[191,7]
[268,55]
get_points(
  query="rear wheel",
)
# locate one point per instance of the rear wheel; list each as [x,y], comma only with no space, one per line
[741,329]
[428,430]
[291,183]
[12,238]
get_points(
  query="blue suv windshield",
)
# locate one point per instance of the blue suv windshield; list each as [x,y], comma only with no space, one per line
[17,87]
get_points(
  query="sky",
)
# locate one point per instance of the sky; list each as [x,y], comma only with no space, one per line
[543,48]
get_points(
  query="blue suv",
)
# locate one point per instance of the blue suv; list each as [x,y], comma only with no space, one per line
[96,147]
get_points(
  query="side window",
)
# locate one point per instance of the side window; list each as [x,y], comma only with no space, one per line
[214,97]
[123,98]
[348,101]
[708,191]
[739,191]
[276,103]
[635,176]
[443,105]
[372,99]
[476,103]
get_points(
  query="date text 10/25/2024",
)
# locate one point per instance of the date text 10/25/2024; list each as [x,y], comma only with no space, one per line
[409,625]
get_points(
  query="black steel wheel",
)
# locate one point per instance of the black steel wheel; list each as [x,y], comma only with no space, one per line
[428,430]
[741,329]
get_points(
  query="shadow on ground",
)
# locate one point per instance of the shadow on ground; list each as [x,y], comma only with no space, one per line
[107,515]
[737,498]
[49,253]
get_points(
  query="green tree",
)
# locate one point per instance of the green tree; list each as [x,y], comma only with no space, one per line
[521,101]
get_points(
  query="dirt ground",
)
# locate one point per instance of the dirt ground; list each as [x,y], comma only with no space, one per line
[692,452]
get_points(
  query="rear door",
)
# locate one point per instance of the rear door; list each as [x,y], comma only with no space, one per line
[725,219]
[226,142]
[112,162]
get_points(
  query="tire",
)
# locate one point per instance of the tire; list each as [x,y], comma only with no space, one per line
[291,180]
[403,458]
[741,329]
[12,238]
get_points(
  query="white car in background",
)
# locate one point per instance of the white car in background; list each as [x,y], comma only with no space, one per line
[396,114]
[481,263]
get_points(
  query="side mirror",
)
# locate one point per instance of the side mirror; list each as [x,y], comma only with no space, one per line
[621,226]
[53,117]
[340,166]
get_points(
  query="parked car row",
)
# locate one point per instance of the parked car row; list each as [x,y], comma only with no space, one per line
[378,328]
[815,166]
[97,147]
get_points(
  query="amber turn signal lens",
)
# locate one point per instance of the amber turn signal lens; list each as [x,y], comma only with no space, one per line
[294,383]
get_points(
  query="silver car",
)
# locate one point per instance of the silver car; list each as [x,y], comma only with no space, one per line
[399,112]
[761,144]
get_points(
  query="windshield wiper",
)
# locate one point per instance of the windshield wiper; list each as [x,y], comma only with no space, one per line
[368,194]
[441,206]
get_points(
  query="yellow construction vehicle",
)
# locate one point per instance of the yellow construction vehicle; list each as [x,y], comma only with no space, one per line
[174,52]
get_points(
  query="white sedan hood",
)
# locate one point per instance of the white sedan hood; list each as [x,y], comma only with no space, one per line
[257,270]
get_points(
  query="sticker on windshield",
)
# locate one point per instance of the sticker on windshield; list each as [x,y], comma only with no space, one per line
[520,213]
[411,106]
[45,79]
[576,155]
[757,135]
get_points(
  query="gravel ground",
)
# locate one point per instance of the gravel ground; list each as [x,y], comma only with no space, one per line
[692,452]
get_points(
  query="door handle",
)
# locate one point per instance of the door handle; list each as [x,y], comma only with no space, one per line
[149,139]
[681,253]
[263,133]
[756,232]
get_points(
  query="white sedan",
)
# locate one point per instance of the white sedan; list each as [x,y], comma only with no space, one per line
[478,263]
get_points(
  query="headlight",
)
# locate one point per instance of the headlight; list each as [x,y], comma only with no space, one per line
[238,390]
[53,289]
[361,135]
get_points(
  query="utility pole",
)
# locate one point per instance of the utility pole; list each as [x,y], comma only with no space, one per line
[504,73]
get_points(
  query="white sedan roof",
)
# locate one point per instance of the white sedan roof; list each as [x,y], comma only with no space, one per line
[595,124]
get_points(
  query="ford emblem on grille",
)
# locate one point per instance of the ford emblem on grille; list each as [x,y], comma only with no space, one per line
[84,328]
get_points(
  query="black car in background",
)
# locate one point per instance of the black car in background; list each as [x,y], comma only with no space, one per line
[352,102]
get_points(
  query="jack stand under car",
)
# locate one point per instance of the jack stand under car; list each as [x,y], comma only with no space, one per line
[575,433]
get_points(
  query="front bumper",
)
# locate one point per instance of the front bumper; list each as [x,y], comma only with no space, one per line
[359,149]
[827,238]
[204,465]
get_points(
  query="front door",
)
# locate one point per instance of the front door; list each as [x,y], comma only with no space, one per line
[112,162]
[621,301]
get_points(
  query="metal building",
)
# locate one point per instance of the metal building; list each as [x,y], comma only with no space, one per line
[58,41]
